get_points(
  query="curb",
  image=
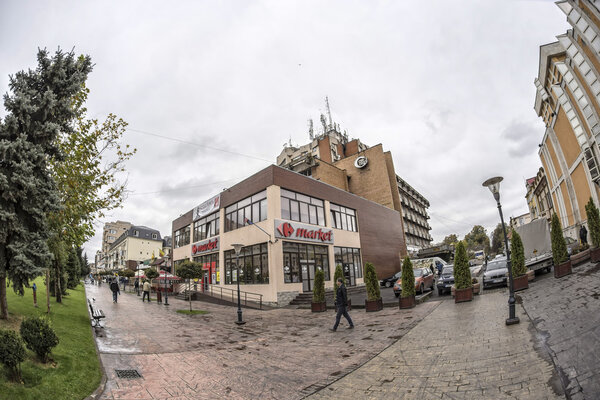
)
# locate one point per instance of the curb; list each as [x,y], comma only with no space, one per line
[100,389]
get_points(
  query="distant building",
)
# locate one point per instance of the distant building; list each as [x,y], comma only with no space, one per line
[568,101]
[520,220]
[538,196]
[365,171]
[110,233]
[136,244]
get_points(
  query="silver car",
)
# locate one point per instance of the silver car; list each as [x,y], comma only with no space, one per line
[496,273]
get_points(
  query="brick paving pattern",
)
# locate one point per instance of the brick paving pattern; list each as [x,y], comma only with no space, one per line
[566,313]
[459,351]
[278,354]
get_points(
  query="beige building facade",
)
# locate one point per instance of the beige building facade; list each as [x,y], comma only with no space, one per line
[136,244]
[568,101]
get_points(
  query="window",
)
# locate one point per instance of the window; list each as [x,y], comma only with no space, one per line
[154,236]
[301,208]
[253,265]
[206,227]
[343,218]
[210,262]
[350,257]
[294,254]
[136,233]
[253,208]
[182,236]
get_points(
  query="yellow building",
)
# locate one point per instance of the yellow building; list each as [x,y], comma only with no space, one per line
[136,244]
[568,100]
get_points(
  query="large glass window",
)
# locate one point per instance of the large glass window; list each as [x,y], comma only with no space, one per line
[182,237]
[206,227]
[343,218]
[210,262]
[253,265]
[295,254]
[253,208]
[301,208]
[349,259]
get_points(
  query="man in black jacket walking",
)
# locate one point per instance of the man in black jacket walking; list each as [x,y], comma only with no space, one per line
[341,299]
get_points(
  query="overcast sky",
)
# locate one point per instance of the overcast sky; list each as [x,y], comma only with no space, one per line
[446,86]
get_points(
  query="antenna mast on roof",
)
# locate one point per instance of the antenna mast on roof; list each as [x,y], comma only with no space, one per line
[328,110]
[311,133]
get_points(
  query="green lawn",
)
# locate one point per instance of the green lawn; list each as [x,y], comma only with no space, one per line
[75,372]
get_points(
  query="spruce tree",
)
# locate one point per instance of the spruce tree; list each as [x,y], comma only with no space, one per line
[462,273]
[517,255]
[593,217]
[38,107]
[559,246]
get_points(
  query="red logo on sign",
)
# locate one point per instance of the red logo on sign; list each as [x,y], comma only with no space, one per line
[200,248]
[285,229]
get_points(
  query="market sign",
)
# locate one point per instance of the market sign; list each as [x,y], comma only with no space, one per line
[205,246]
[306,233]
[208,207]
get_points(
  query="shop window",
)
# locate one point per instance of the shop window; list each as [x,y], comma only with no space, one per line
[302,208]
[253,208]
[210,263]
[349,259]
[207,227]
[343,218]
[294,254]
[253,265]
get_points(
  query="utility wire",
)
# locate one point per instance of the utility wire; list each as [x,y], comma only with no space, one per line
[197,145]
[185,188]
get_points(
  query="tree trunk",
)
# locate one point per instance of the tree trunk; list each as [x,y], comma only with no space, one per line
[58,286]
[48,290]
[3,303]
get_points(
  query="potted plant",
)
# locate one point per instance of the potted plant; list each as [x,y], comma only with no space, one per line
[462,275]
[519,271]
[562,264]
[373,301]
[593,216]
[407,297]
[318,301]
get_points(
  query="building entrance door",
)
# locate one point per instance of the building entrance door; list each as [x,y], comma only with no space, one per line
[308,274]
[205,281]
[349,274]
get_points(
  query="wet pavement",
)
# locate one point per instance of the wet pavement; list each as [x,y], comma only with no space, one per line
[278,354]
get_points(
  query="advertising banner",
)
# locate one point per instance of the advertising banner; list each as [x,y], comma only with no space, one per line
[206,208]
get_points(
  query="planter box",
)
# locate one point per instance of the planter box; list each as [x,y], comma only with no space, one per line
[580,257]
[462,295]
[318,307]
[373,305]
[520,283]
[407,302]
[530,275]
[563,269]
[595,254]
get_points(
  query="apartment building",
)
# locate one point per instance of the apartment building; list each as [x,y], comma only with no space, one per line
[136,244]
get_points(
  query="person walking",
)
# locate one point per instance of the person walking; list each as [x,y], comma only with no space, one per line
[146,289]
[136,286]
[583,235]
[114,287]
[341,299]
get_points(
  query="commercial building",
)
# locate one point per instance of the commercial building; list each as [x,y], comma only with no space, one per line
[568,101]
[136,244]
[365,171]
[291,226]
[539,200]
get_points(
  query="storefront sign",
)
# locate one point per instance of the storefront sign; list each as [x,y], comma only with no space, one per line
[306,233]
[205,246]
[208,207]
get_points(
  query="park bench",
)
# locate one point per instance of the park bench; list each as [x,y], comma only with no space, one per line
[97,315]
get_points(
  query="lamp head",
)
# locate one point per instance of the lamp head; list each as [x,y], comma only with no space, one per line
[494,185]
[237,247]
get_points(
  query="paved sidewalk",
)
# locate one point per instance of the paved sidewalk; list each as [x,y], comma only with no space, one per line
[459,351]
[566,313]
[278,354]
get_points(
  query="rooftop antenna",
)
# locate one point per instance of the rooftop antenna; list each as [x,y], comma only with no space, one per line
[311,133]
[328,110]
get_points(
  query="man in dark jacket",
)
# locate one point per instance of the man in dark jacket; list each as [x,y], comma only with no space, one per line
[114,287]
[341,299]
[583,235]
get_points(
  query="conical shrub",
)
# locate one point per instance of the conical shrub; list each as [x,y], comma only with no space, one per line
[371,282]
[462,273]
[408,278]
[517,255]
[319,289]
[559,246]
[593,217]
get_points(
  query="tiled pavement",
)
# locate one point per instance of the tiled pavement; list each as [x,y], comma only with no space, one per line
[278,354]
[459,351]
[566,313]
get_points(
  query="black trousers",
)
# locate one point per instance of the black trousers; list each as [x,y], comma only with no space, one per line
[341,310]
[144,296]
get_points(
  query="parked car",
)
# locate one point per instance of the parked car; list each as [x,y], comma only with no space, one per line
[389,282]
[423,279]
[435,262]
[446,280]
[496,273]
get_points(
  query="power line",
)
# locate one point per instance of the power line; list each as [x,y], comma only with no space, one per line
[185,188]
[197,145]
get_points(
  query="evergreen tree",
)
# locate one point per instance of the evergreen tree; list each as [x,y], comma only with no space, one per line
[462,273]
[38,107]
[338,274]
[408,278]
[73,269]
[372,283]
[85,266]
[559,245]
[498,239]
[517,255]
[593,217]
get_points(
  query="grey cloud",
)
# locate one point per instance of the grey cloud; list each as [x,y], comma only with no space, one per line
[522,138]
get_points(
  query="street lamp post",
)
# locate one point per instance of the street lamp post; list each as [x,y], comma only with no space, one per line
[238,248]
[166,288]
[494,185]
